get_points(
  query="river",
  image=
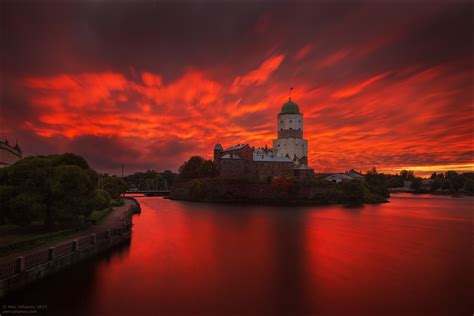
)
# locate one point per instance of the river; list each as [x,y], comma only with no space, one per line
[411,256]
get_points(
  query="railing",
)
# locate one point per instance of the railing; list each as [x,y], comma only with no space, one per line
[63,250]
[36,259]
[100,236]
[21,263]
[8,268]
[84,242]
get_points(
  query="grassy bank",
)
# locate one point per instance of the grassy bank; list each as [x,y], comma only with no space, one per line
[14,239]
[97,216]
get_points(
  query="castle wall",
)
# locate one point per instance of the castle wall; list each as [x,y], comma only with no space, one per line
[292,147]
[290,122]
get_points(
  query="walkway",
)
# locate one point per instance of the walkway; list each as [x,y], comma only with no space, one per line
[112,220]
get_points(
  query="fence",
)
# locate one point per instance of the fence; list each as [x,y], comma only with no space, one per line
[20,264]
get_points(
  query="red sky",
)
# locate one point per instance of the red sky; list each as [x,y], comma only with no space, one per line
[381,85]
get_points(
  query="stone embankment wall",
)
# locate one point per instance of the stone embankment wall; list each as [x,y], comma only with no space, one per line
[24,270]
[218,190]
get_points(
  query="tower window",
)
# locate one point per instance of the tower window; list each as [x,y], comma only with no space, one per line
[299,121]
[291,121]
[281,121]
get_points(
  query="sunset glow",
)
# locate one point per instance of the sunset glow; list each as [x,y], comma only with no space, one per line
[386,95]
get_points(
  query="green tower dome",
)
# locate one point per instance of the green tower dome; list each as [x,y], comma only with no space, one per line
[290,107]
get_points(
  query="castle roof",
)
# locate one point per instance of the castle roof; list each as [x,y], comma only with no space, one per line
[239,146]
[260,154]
[230,156]
[290,107]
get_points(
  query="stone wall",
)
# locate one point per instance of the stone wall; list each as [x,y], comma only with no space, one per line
[246,191]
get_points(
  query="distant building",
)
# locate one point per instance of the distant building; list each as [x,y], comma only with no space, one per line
[356,175]
[9,154]
[338,177]
[347,176]
[289,155]
[290,142]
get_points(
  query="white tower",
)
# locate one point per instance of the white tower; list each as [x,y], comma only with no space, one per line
[290,142]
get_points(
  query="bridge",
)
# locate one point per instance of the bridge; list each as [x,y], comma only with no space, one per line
[149,192]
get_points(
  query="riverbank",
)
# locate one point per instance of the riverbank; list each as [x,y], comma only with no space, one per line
[324,260]
[24,267]
[441,193]
[278,192]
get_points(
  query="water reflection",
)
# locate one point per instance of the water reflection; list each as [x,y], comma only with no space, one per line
[410,256]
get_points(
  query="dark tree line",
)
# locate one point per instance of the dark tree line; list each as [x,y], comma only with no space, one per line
[151,180]
[197,167]
[56,190]
[450,182]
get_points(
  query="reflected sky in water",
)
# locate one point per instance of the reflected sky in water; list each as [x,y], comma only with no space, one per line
[407,257]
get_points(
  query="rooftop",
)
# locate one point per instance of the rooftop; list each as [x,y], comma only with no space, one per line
[261,154]
[239,146]
[230,156]
[290,107]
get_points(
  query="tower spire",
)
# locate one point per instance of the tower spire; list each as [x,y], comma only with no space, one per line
[289,94]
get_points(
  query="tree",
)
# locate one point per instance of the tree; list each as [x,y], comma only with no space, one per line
[353,192]
[197,167]
[25,207]
[469,187]
[115,186]
[56,189]
[31,178]
[73,193]
[102,199]
[455,180]
[416,185]
[407,175]
[69,159]
[394,181]
[436,183]
[169,178]
[377,182]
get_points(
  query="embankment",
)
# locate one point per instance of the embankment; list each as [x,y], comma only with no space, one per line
[26,268]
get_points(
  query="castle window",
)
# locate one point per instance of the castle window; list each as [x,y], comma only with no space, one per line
[291,128]
[299,121]
[291,121]
[281,121]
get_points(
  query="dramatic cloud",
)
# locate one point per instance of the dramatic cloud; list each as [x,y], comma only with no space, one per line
[148,85]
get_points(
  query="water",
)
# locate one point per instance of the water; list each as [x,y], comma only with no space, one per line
[411,256]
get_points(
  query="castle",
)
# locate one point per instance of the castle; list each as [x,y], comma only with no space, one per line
[288,157]
[9,154]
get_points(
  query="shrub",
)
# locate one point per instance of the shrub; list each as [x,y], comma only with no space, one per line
[102,199]
[197,167]
[115,186]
